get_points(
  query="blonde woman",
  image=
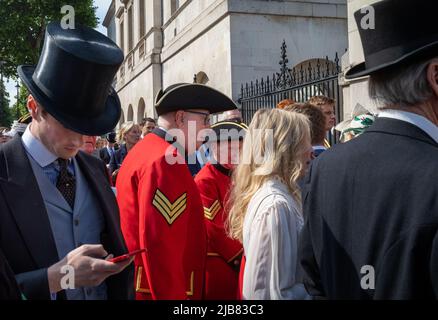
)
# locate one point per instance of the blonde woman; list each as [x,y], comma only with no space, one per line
[127,137]
[266,214]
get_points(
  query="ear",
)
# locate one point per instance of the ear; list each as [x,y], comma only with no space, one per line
[432,76]
[32,106]
[179,118]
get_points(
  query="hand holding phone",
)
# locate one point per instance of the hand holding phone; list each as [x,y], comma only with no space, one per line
[126,256]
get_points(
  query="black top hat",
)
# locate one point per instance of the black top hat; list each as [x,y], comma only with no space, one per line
[185,96]
[72,80]
[228,131]
[404,29]
[111,137]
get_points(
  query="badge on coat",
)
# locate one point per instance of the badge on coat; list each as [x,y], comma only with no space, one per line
[211,212]
[169,210]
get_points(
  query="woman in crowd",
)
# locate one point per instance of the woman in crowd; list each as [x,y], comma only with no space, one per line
[266,213]
[128,137]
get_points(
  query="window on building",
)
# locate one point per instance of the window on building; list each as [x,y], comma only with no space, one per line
[174,5]
[122,35]
[130,28]
[130,113]
[142,18]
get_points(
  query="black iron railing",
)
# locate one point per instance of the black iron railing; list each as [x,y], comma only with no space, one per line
[316,77]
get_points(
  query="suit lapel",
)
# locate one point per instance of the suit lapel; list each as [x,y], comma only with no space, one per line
[30,215]
[52,196]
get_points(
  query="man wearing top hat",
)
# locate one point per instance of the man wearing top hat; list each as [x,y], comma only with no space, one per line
[371,205]
[160,206]
[106,152]
[56,206]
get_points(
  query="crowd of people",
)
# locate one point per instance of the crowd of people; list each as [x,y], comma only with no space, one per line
[267,210]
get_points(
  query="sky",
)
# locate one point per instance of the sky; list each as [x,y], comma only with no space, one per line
[102,8]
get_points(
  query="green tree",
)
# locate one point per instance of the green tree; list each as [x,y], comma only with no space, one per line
[20,104]
[5,112]
[23,23]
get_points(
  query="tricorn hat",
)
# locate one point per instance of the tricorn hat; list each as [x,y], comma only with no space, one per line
[227,131]
[73,78]
[185,96]
[394,32]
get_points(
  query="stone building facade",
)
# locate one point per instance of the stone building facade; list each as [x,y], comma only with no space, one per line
[223,42]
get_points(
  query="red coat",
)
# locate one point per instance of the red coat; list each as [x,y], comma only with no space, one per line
[161,210]
[223,257]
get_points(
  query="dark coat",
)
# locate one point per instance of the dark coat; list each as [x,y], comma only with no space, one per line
[25,234]
[104,155]
[373,201]
[117,159]
[8,286]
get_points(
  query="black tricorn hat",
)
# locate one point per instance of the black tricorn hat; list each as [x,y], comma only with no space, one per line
[185,96]
[227,131]
[404,30]
[72,80]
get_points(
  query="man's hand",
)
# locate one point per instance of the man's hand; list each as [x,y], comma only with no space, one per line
[89,266]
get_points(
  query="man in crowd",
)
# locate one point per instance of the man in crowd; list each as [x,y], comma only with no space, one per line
[148,125]
[371,209]
[68,223]
[233,115]
[107,152]
[317,125]
[214,185]
[160,206]
[327,106]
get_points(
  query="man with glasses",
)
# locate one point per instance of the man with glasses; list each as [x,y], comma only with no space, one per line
[160,206]
[197,160]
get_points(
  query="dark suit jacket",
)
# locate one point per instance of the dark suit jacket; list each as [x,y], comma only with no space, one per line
[373,202]
[117,159]
[25,233]
[104,155]
[8,286]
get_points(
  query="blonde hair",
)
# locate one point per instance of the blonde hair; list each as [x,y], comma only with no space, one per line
[126,127]
[281,160]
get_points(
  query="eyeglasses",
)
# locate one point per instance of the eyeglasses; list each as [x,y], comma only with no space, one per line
[206,115]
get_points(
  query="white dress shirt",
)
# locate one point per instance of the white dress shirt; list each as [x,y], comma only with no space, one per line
[419,121]
[270,240]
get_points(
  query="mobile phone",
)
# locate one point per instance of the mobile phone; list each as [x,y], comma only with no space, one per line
[126,256]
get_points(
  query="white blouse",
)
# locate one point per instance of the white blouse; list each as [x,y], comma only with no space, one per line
[270,240]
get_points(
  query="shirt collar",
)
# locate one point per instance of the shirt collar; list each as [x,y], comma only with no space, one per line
[412,118]
[36,149]
[319,148]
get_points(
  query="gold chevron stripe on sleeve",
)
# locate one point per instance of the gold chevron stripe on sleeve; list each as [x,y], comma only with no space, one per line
[210,213]
[170,211]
